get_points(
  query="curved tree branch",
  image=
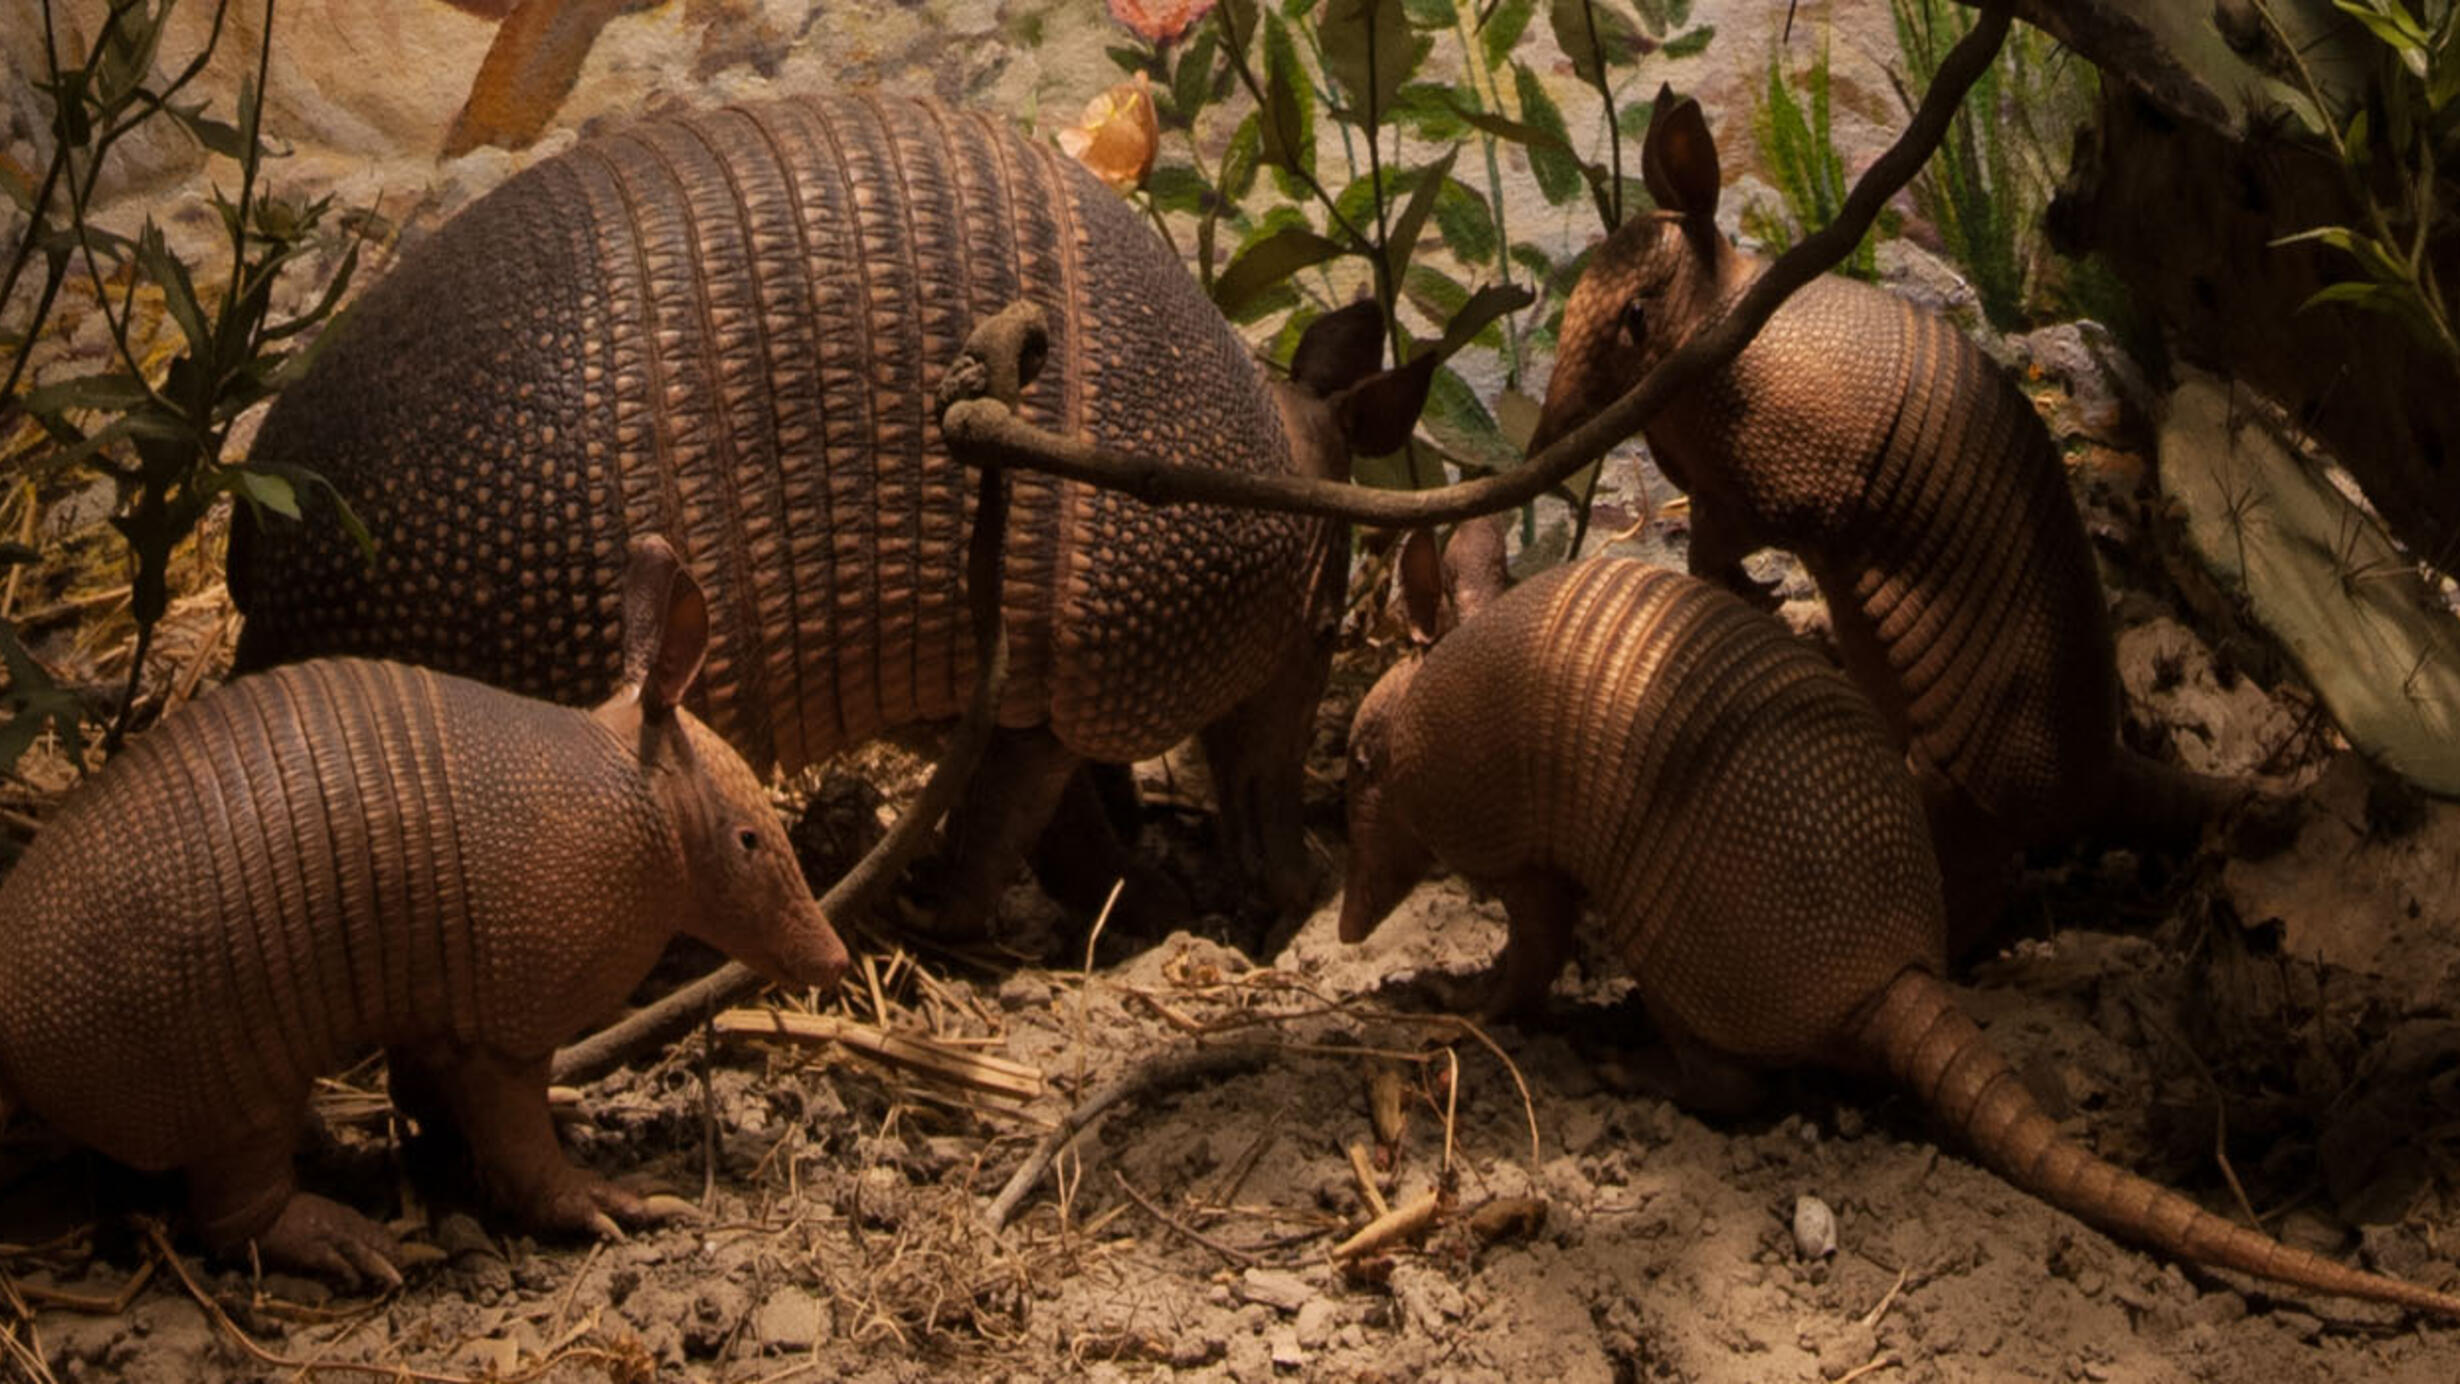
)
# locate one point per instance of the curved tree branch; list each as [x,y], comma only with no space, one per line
[985,432]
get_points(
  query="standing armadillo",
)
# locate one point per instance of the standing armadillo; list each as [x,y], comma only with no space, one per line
[729,327]
[1920,488]
[1619,736]
[342,853]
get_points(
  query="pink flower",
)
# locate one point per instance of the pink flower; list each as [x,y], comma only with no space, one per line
[1159,21]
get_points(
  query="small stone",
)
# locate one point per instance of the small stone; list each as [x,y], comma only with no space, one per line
[1024,990]
[792,1320]
[1315,1322]
[1426,1296]
[1287,1353]
[1814,1227]
[1283,1292]
[495,1355]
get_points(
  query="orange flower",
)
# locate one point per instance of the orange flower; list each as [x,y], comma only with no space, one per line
[1118,135]
[1159,21]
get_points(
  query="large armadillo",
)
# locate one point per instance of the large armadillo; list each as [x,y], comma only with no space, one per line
[1629,739]
[343,853]
[1872,438]
[729,328]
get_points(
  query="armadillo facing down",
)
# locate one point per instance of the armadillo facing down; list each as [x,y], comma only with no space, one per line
[1627,740]
[729,327]
[1870,437]
[341,853]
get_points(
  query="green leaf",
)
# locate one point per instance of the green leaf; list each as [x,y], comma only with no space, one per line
[1192,84]
[1240,161]
[1369,52]
[1177,187]
[218,136]
[1289,108]
[1127,59]
[1690,43]
[1429,14]
[1483,307]
[35,701]
[1406,228]
[1269,262]
[1460,424]
[1505,23]
[1551,160]
[156,261]
[1466,222]
[264,490]
[1595,35]
[1238,24]
[1426,109]
[109,391]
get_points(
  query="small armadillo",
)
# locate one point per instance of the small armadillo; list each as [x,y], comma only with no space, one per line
[729,327]
[343,853]
[1873,439]
[1727,806]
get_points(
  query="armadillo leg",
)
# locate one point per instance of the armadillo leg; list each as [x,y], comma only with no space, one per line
[1719,543]
[500,1104]
[1080,855]
[1977,860]
[249,1194]
[1542,907]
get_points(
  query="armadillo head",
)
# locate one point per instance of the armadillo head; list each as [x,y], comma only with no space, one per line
[1650,284]
[742,889]
[1336,405]
[1387,857]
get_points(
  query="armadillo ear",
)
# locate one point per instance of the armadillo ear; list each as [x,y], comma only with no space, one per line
[1421,569]
[1339,349]
[1678,160]
[1475,572]
[1380,412]
[666,625]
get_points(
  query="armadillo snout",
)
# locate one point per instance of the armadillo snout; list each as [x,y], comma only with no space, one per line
[807,951]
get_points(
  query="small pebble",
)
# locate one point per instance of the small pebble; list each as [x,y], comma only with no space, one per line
[1814,1228]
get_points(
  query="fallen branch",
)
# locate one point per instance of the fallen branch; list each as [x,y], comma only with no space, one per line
[1187,1232]
[1003,357]
[987,431]
[1406,1221]
[1146,1078]
[940,1061]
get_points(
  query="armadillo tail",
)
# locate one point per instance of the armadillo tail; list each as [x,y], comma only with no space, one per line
[1921,1035]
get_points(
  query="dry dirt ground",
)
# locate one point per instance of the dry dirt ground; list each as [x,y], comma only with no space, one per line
[2271,1035]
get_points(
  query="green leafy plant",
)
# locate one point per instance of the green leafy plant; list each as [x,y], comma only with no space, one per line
[1798,147]
[2390,140]
[155,421]
[1425,102]
[1986,189]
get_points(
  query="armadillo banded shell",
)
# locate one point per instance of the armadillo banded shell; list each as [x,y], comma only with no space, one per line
[295,866]
[728,328]
[1943,512]
[1729,800]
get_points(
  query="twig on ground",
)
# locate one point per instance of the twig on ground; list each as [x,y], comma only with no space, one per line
[932,1057]
[1187,1232]
[1147,1078]
[1888,1299]
[1364,1171]
[1410,1219]
[1882,1360]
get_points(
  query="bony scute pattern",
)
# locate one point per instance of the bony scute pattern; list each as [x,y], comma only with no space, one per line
[1631,743]
[1924,494]
[344,853]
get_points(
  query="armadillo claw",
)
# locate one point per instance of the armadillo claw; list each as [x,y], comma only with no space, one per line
[664,1206]
[325,1237]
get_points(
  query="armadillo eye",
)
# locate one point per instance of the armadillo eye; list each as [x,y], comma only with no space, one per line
[748,839]
[1635,322]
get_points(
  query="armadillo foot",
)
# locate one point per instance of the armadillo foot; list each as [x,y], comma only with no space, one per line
[325,1237]
[585,1204]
